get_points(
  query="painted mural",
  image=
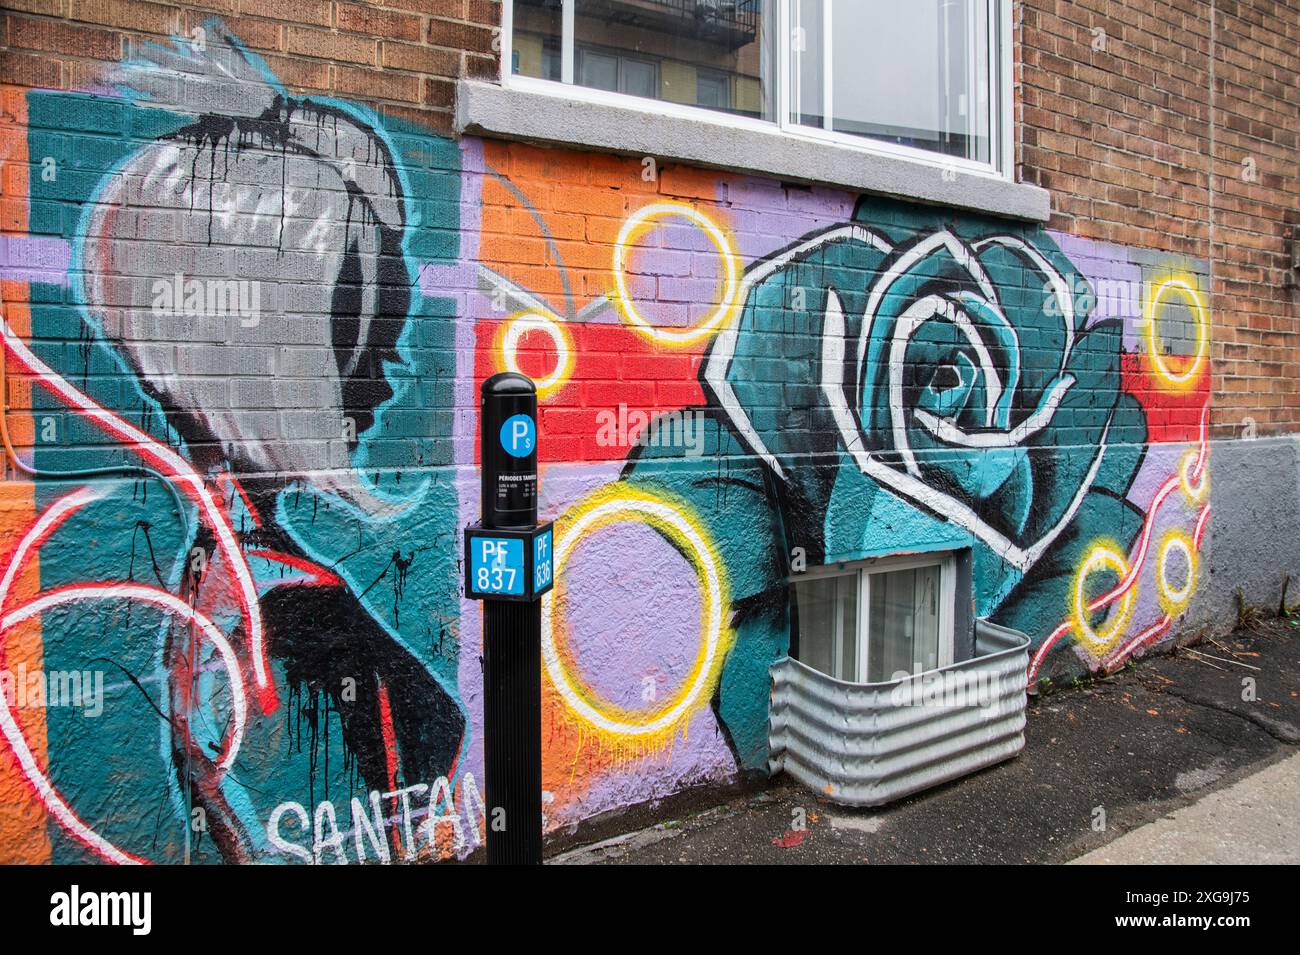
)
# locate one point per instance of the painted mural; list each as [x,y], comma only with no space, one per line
[244,332]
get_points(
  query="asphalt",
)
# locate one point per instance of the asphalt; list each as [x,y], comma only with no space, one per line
[1102,759]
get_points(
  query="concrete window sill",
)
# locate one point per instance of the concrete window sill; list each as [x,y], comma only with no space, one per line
[492,110]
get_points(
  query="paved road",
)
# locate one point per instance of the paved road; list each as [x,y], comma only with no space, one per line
[1131,749]
[1255,821]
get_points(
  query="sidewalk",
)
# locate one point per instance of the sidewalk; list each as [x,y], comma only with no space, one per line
[1254,821]
[1122,752]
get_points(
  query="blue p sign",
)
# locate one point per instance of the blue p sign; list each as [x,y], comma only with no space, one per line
[518,436]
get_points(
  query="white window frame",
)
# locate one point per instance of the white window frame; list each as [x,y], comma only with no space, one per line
[946,561]
[1001,71]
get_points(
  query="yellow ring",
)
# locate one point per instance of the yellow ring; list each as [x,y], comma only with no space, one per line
[1202,332]
[639,222]
[526,322]
[1102,556]
[1194,492]
[1176,601]
[612,505]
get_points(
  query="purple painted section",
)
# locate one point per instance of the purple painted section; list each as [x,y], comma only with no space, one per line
[459,282]
[674,270]
[634,617]
[34,259]
[1160,463]
[764,215]
[1116,281]
[675,275]
[617,638]
[698,755]
[1123,280]
[1176,513]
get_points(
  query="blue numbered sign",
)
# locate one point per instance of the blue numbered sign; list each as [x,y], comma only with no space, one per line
[508,564]
[542,566]
[497,565]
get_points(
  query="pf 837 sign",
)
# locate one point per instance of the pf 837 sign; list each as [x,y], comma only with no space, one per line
[507,564]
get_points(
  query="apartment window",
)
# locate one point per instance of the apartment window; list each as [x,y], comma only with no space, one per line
[923,77]
[713,90]
[603,70]
[871,623]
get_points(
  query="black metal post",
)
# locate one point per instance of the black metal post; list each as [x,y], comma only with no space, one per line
[512,728]
[512,629]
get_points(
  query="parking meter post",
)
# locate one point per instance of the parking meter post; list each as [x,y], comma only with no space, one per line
[512,741]
[508,565]
[508,442]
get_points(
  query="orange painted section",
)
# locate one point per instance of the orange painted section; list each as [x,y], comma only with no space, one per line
[581,201]
[24,835]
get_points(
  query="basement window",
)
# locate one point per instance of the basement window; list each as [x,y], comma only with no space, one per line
[880,620]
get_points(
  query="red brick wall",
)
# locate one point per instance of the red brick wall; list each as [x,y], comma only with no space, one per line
[402,56]
[1115,105]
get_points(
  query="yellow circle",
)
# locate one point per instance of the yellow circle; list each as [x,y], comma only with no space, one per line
[526,322]
[1102,557]
[1176,601]
[1194,492]
[613,505]
[1186,376]
[639,222]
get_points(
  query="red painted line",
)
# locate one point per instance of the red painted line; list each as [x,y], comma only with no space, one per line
[320,577]
[243,495]
[390,754]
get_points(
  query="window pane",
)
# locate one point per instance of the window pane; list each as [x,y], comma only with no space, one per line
[889,647]
[816,603]
[904,623]
[807,63]
[914,73]
[639,78]
[712,89]
[597,70]
[828,615]
[535,46]
[711,53]
[925,613]
[848,611]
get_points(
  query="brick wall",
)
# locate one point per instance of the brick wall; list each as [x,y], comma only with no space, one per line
[320,429]
[403,57]
[1115,102]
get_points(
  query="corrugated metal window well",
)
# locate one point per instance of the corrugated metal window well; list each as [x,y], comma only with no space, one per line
[892,686]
